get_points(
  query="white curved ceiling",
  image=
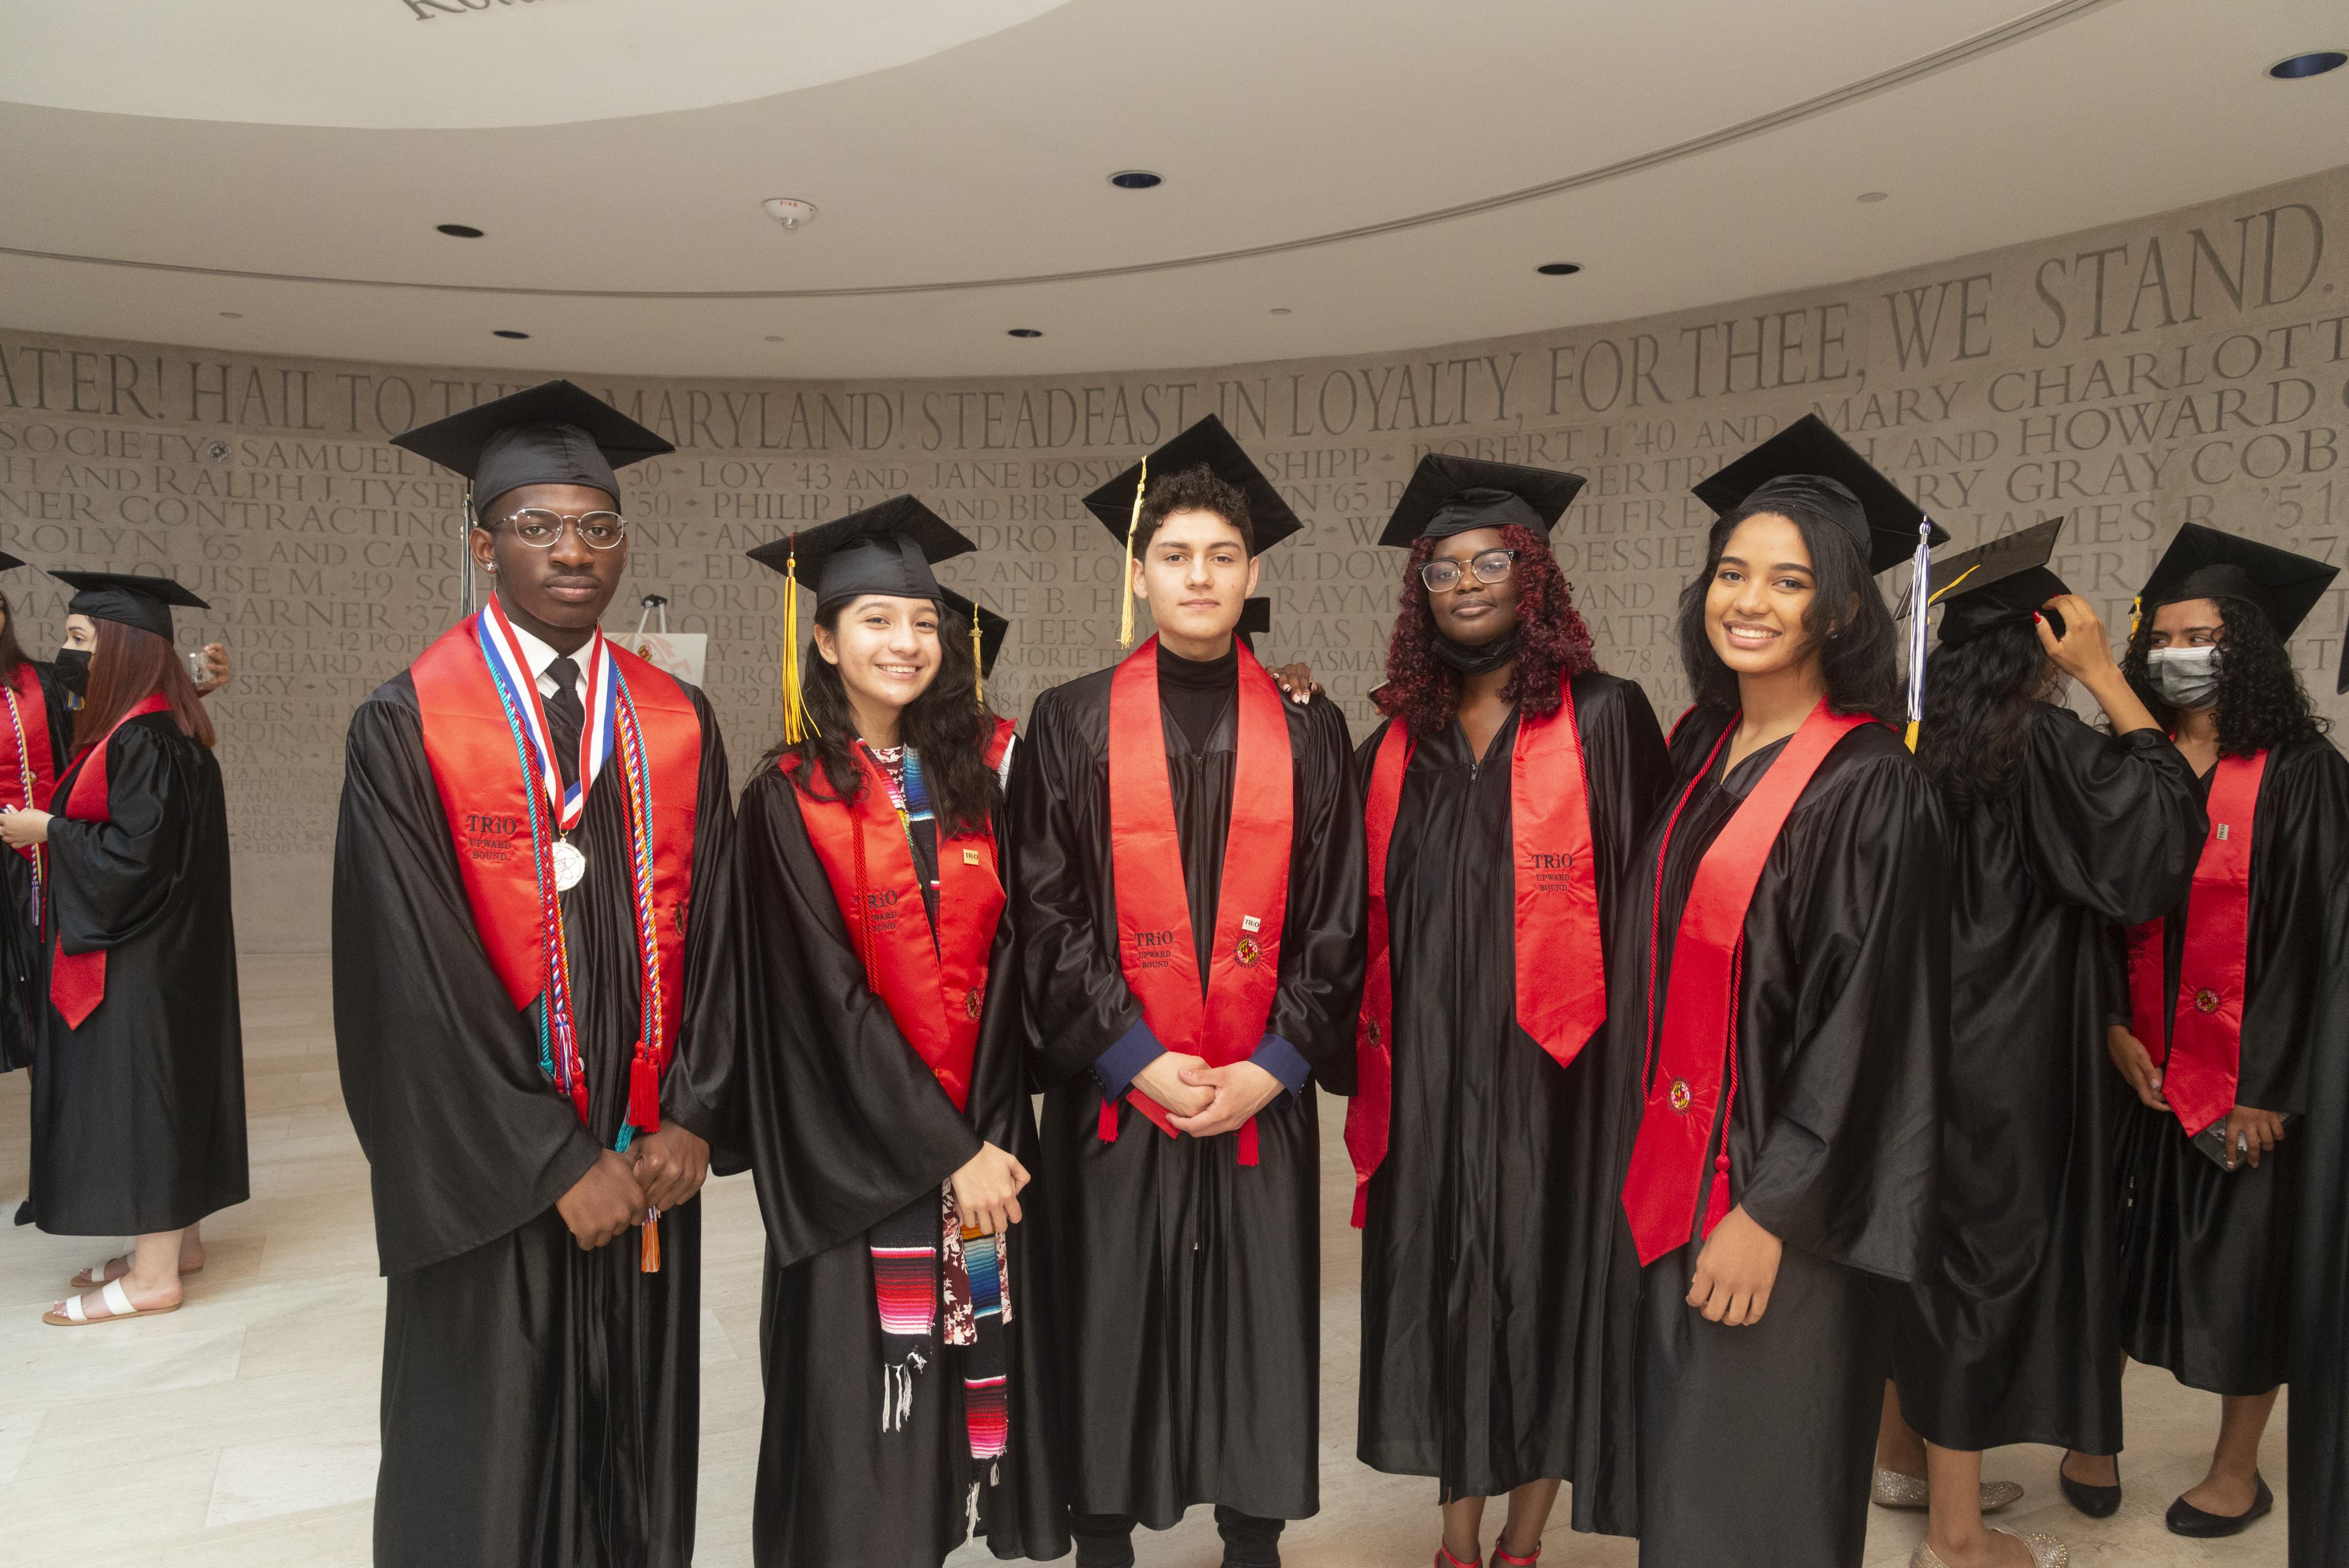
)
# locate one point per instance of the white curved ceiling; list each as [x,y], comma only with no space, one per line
[1386,172]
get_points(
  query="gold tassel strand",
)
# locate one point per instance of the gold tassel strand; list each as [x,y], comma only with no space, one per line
[977,658]
[1125,616]
[797,725]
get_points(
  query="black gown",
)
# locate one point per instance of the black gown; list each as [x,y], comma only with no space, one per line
[1472,1304]
[20,936]
[2014,1337]
[139,1114]
[1185,1289]
[540,1404]
[2206,1254]
[847,1127]
[1752,1444]
[2318,1490]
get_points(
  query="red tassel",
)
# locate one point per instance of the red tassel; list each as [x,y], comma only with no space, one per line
[650,1262]
[1362,1202]
[644,1091]
[1717,1206]
[1109,1121]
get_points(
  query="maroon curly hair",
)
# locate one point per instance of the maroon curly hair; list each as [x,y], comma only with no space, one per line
[1423,692]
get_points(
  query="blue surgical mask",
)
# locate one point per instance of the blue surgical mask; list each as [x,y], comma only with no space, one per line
[2185,676]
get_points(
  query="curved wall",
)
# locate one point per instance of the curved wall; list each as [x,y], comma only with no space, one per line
[2190,367]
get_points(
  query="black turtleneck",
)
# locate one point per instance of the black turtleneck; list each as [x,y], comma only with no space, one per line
[1197,693]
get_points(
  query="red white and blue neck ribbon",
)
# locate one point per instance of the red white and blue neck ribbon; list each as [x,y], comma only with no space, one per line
[502,647]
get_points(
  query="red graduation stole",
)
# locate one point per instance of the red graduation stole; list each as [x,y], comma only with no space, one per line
[1155,948]
[2205,1051]
[999,745]
[935,987]
[484,794]
[27,764]
[77,980]
[1698,1047]
[1561,968]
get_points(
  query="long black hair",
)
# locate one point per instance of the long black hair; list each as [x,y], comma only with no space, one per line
[1847,617]
[12,652]
[945,725]
[1979,697]
[2261,702]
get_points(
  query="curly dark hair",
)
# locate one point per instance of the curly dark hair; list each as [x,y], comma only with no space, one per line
[1197,488]
[1423,692]
[1856,651]
[944,725]
[2261,702]
[1979,698]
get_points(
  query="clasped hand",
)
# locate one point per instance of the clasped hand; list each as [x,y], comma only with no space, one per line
[1209,1101]
[987,1190]
[1735,1271]
[23,829]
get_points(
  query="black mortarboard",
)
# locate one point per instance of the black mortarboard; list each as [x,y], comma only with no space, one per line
[8,563]
[555,434]
[1883,523]
[132,599]
[1998,583]
[1255,620]
[1450,495]
[1209,443]
[2203,563]
[991,626]
[884,549]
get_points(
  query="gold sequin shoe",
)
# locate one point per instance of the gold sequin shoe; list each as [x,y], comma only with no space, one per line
[1894,1489]
[2046,1551]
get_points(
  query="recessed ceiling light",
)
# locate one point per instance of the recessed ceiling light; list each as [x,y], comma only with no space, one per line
[460,231]
[2315,63]
[1874,195]
[231,315]
[1280,310]
[774,338]
[1024,332]
[1135,180]
[506,332]
[788,211]
[1559,269]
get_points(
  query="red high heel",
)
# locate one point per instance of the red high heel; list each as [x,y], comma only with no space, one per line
[1503,1560]
[1443,1559]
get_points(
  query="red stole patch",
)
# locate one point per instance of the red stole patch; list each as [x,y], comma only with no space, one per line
[934,987]
[1698,1047]
[1561,995]
[77,980]
[2205,1052]
[1155,948]
[470,747]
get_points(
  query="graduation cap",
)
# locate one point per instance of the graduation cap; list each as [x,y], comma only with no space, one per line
[554,433]
[1255,620]
[1996,584]
[1450,495]
[1118,503]
[883,550]
[986,630]
[2203,563]
[9,563]
[1796,460]
[130,597]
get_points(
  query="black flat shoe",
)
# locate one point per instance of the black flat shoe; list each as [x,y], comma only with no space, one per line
[2096,1501]
[2184,1519]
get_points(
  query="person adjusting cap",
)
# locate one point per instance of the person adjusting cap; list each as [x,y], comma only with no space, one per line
[553,433]
[1450,495]
[1996,584]
[130,598]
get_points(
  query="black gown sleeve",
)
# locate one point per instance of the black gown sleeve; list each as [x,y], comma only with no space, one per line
[847,1123]
[1321,941]
[2302,853]
[702,1090]
[111,879]
[2110,823]
[1628,767]
[464,1140]
[1845,1167]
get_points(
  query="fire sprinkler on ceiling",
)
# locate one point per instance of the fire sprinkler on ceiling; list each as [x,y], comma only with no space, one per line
[788,211]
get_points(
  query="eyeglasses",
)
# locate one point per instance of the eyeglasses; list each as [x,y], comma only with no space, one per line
[1490,566]
[539,530]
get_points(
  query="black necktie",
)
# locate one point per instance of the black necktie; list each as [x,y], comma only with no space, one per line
[564,715]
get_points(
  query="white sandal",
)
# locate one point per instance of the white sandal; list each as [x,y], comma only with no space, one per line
[96,1275]
[71,1314]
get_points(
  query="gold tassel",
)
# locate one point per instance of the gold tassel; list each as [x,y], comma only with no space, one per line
[977,658]
[2137,614]
[1125,616]
[797,725]
[1962,576]
[1912,736]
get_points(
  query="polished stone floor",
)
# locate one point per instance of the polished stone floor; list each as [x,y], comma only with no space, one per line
[242,1429]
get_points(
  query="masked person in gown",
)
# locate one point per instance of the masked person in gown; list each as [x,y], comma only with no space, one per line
[2056,834]
[1187,882]
[1778,1026]
[139,1076]
[535,1022]
[2225,1004]
[2320,1373]
[1505,795]
[889,1116]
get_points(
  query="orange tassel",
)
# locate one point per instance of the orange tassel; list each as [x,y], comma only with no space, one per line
[649,1264]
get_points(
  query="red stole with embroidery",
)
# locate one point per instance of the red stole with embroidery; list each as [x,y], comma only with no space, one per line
[1698,1047]
[935,986]
[2205,1033]
[470,742]
[1155,948]
[77,980]
[1561,995]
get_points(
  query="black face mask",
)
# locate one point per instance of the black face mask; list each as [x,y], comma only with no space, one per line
[1481,660]
[73,670]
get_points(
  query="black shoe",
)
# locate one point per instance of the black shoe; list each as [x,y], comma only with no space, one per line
[25,1212]
[2184,1519]
[2096,1501]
